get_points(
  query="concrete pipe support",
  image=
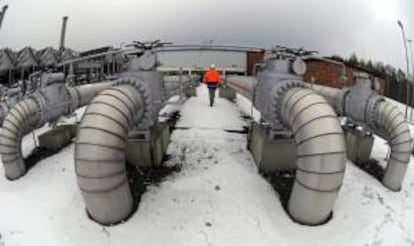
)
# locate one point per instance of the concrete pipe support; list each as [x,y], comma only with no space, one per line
[321,155]
[46,105]
[100,153]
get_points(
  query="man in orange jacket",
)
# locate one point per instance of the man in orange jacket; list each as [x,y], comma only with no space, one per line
[212,79]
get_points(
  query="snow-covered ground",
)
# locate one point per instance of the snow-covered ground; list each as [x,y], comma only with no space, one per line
[218,198]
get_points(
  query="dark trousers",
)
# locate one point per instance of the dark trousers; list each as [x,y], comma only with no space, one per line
[212,91]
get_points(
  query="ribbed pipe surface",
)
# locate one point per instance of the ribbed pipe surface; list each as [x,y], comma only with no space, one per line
[391,121]
[26,116]
[100,153]
[321,155]
[20,120]
[390,124]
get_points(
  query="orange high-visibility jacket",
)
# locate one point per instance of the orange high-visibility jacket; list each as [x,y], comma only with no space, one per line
[212,76]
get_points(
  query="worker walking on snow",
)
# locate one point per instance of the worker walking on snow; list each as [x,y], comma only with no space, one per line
[212,80]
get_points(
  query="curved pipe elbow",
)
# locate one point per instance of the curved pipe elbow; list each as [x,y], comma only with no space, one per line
[392,122]
[34,111]
[321,155]
[20,120]
[100,153]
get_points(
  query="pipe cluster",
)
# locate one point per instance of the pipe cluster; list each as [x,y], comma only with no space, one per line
[286,105]
[50,102]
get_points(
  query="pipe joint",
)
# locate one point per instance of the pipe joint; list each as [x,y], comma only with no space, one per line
[360,104]
[144,112]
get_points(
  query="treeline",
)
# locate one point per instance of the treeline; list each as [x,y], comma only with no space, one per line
[378,69]
[396,80]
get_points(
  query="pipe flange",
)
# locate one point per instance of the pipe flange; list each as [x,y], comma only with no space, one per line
[280,91]
[340,103]
[73,99]
[144,113]
[41,103]
[371,111]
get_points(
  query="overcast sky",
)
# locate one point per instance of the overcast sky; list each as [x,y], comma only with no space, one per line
[365,27]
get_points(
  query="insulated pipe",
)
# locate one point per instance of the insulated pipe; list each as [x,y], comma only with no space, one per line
[100,153]
[85,93]
[332,95]
[34,112]
[321,155]
[391,121]
[20,120]
[386,121]
[321,149]
[242,84]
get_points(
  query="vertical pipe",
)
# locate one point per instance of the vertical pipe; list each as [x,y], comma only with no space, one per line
[410,42]
[2,14]
[408,68]
[63,32]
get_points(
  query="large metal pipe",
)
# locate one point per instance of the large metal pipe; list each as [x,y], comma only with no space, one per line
[313,122]
[100,153]
[364,106]
[321,155]
[332,95]
[397,132]
[242,84]
[20,120]
[63,32]
[47,105]
[2,14]
[85,93]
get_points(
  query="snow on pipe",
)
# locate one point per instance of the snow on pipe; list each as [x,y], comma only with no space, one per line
[364,106]
[320,166]
[100,152]
[46,105]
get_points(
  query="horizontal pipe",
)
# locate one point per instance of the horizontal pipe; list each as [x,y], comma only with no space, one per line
[244,85]
[100,153]
[332,95]
[87,92]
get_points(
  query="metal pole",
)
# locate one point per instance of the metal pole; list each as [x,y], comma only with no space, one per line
[408,66]
[2,14]
[410,42]
[63,33]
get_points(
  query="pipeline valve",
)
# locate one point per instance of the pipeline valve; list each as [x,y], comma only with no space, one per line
[147,59]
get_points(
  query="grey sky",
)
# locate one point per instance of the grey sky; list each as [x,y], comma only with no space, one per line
[366,27]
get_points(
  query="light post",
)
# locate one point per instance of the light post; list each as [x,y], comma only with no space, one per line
[2,14]
[410,42]
[408,66]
